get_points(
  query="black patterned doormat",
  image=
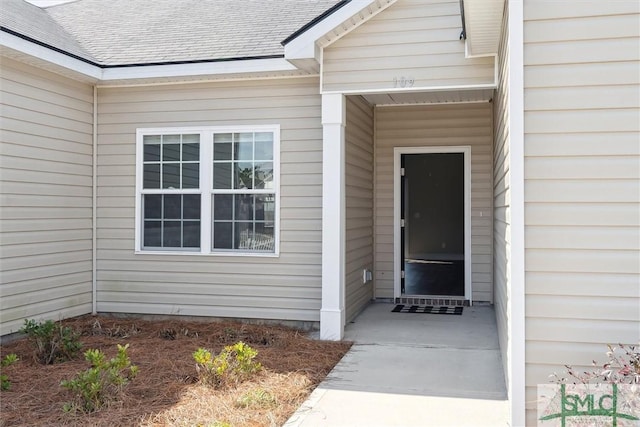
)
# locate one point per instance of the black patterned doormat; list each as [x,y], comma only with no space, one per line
[429,309]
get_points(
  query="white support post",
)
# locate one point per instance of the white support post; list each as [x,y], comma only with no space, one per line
[332,314]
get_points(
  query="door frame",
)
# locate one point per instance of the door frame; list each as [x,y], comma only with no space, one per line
[397,249]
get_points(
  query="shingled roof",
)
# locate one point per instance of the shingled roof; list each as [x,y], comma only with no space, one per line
[20,17]
[128,32]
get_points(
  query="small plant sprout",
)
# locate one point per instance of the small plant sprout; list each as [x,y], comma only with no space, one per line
[235,363]
[7,360]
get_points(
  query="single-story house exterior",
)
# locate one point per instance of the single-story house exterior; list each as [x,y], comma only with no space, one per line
[285,162]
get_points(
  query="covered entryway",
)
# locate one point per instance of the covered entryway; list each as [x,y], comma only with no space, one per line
[447,239]
[395,77]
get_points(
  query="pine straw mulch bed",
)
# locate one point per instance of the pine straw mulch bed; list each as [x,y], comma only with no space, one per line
[166,391]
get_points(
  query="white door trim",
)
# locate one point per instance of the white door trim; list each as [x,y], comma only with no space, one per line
[397,153]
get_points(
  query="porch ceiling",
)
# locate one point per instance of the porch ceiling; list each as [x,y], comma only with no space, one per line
[433,97]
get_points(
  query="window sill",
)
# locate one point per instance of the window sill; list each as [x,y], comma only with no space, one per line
[212,254]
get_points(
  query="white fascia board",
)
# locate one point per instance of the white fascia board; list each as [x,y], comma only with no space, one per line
[268,65]
[49,55]
[304,46]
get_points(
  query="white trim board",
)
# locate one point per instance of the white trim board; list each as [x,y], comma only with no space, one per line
[397,153]
[516,305]
[268,65]
[94,206]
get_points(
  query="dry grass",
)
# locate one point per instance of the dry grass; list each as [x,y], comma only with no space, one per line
[166,391]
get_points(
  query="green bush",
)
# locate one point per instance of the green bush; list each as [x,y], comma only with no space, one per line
[102,381]
[233,364]
[9,359]
[52,341]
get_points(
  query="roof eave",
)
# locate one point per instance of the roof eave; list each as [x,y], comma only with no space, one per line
[39,54]
[56,60]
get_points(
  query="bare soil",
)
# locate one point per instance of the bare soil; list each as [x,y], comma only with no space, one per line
[166,391]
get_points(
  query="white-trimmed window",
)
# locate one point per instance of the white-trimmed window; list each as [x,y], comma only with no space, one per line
[211,190]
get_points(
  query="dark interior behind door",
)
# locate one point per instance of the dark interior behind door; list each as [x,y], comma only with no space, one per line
[432,198]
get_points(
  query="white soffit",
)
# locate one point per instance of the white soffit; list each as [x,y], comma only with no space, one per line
[483,19]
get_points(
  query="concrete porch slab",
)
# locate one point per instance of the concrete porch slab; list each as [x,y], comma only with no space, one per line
[413,369]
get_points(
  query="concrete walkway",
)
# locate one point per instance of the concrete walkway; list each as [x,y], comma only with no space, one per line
[413,370]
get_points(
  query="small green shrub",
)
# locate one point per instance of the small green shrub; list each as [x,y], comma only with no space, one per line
[52,341]
[101,382]
[9,359]
[233,364]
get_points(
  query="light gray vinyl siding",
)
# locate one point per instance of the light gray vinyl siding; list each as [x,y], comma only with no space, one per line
[411,39]
[286,287]
[502,197]
[582,183]
[359,204]
[426,126]
[45,205]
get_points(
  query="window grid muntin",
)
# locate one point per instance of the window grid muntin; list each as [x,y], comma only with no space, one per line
[161,162]
[162,220]
[254,222]
[234,162]
[186,143]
